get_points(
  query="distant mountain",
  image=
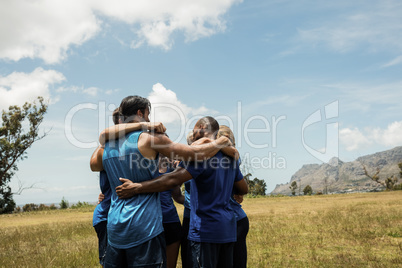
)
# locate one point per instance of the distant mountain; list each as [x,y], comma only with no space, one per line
[338,176]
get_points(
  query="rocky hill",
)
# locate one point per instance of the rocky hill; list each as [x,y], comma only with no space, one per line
[340,177]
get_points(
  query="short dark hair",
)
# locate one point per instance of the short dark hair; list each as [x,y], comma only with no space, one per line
[131,104]
[116,116]
[211,123]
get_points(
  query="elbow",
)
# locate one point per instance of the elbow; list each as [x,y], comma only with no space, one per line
[243,191]
[94,166]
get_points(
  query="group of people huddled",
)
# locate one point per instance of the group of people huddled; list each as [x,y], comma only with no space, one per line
[141,170]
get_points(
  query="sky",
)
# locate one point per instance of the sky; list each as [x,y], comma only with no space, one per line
[299,82]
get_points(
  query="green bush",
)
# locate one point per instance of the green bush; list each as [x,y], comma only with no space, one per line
[43,207]
[30,207]
[81,205]
[64,204]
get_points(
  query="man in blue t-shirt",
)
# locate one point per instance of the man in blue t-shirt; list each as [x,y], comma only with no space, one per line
[212,221]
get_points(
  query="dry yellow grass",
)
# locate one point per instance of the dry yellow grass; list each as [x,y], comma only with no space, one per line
[351,230]
[354,230]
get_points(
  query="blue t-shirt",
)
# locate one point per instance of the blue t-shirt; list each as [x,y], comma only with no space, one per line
[135,220]
[169,212]
[237,209]
[102,209]
[212,218]
[187,187]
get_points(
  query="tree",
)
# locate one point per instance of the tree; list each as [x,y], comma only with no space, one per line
[7,203]
[64,203]
[400,167]
[18,131]
[257,187]
[293,187]
[390,183]
[308,190]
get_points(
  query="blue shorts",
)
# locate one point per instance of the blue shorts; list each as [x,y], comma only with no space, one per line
[101,232]
[211,255]
[150,254]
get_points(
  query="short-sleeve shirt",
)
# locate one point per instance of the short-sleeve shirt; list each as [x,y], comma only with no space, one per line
[102,209]
[212,219]
[169,211]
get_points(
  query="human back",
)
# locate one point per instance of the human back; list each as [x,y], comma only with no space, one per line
[212,219]
[122,159]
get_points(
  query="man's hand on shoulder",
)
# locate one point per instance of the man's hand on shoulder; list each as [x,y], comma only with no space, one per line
[223,142]
[157,127]
[127,189]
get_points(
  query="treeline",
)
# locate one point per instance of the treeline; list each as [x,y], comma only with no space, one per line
[64,204]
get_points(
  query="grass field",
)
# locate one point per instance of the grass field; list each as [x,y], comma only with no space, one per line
[350,230]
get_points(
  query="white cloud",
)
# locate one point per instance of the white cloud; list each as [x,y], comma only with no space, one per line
[396,61]
[354,139]
[167,108]
[112,91]
[91,91]
[366,96]
[391,136]
[44,29]
[375,27]
[47,29]
[157,20]
[17,88]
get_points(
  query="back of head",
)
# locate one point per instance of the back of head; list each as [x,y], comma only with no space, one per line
[226,132]
[116,116]
[210,124]
[189,138]
[130,105]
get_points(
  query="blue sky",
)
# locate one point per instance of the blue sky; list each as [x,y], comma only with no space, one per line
[299,82]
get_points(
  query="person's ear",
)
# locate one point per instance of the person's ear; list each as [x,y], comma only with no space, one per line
[140,114]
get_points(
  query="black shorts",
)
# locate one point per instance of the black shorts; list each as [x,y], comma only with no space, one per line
[212,254]
[173,232]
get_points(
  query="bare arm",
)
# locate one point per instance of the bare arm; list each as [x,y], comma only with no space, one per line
[229,150]
[162,183]
[163,145]
[96,159]
[118,131]
[177,195]
[241,187]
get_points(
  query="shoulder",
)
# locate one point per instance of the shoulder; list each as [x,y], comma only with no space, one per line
[154,137]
